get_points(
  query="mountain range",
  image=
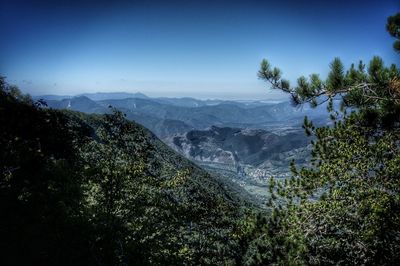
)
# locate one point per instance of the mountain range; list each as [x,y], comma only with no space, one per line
[166,116]
[248,141]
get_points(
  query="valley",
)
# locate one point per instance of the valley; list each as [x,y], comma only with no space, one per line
[249,156]
[246,141]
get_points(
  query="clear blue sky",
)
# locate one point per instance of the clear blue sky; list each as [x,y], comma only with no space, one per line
[204,49]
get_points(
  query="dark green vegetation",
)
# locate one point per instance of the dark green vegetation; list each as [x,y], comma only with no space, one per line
[345,208]
[393,27]
[98,189]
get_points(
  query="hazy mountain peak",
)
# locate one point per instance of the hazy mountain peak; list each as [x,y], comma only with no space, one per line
[99,96]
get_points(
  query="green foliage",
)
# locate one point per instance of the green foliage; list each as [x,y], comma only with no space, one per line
[78,189]
[356,87]
[393,27]
[335,77]
[344,209]
[39,184]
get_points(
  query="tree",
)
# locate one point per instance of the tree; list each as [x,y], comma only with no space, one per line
[114,171]
[40,184]
[345,207]
[393,27]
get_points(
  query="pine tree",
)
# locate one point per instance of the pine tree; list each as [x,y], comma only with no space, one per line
[393,27]
[345,207]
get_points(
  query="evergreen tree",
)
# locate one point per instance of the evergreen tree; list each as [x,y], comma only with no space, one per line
[393,27]
[345,207]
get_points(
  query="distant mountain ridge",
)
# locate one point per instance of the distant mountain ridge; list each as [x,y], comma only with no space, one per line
[99,96]
[78,103]
[189,113]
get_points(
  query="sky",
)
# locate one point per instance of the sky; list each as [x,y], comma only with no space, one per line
[202,49]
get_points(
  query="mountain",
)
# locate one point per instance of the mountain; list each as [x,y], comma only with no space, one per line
[248,156]
[78,103]
[99,189]
[267,116]
[183,102]
[201,117]
[196,114]
[99,96]
[235,145]
[51,97]
[260,138]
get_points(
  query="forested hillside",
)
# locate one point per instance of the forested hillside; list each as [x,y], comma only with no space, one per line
[98,189]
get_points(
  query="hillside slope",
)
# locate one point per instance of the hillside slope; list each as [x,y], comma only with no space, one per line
[234,145]
[98,189]
[248,156]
